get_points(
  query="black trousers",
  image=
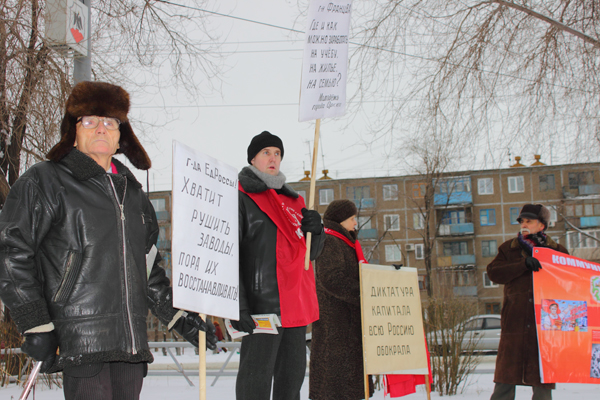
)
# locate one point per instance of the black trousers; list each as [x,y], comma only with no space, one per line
[267,359]
[104,381]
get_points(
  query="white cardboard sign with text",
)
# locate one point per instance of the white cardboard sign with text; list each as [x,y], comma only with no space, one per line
[204,234]
[325,61]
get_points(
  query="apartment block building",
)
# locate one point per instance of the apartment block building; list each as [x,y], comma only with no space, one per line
[471,214]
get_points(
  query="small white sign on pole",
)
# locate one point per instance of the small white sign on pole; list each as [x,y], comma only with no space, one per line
[204,234]
[67,26]
[325,62]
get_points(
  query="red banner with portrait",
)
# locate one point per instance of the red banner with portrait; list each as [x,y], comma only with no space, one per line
[567,307]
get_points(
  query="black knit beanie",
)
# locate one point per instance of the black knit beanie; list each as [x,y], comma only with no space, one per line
[259,142]
[340,210]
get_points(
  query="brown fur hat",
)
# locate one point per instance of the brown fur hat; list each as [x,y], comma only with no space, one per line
[104,100]
[535,211]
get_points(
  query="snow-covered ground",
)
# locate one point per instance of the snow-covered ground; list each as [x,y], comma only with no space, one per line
[480,385]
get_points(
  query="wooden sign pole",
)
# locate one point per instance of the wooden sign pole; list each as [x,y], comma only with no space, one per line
[311,192]
[428,386]
[202,361]
[362,329]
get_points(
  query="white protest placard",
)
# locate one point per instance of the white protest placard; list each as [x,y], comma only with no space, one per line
[325,61]
[204,234]
[394,340]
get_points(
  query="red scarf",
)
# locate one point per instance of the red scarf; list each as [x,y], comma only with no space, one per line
[394,385]
[356,246]
[297,291]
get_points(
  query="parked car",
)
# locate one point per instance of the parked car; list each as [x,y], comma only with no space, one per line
[481,333]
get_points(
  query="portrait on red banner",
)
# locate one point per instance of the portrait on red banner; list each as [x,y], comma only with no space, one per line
[567,305]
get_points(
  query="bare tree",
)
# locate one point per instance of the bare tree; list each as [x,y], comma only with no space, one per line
[507,74]
[129,37]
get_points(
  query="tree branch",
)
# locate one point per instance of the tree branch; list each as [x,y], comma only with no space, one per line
[552,22]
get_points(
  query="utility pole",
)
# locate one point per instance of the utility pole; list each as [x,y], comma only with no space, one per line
[82,66]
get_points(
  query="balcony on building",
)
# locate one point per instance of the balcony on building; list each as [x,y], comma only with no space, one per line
[586,190]
[461,278]
[364,204]
[465,290]
[456,221]
[456,261]
[453,191]
[163,244]
[163,215]
[456,229]
[367,234]
[589,222]
[450,199]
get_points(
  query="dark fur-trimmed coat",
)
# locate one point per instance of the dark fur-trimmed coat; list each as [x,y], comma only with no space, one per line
[517,362]
[336,363]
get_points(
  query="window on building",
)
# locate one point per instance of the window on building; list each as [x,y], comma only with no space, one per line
[577,179]
[596,209]
[489,248]
[492,308]
[418,221]
[302,193]
[456,278]
[390,192]
[464,278]
[422,281]
[554,213]
[589,209]
[579,210]
[516,184]
[453,185]
[487,217]
[584,239]
[547,182]
[487,282]
[419,190]
[325,196]
[364,222]
[454,217]
[392,253]
[162,233]
[391,222]
[455,248]
[513,215]
[358,192]
[485,186]
[159,204]
[419,251]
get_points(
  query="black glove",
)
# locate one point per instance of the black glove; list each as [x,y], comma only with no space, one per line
[245,324]
[188,326]
[533,264]
[41,347]
[311,221]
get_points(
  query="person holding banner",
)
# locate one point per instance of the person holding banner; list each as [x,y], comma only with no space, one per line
[78,262]
[337,335]
[272,223]
[517,362]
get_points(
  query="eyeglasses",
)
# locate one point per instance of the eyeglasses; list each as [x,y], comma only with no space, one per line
[91,122]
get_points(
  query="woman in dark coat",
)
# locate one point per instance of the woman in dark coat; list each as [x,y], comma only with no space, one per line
[336,361]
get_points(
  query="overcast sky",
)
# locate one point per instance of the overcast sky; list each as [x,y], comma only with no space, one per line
[259,90]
